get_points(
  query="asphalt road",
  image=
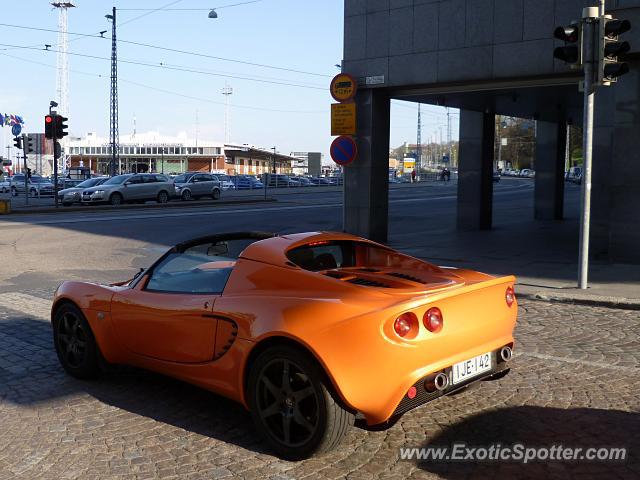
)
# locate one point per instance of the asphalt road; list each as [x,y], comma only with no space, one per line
[44,249]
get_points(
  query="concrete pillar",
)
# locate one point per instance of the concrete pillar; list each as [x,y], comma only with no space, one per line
[475,170]
[551,139]
[366,180]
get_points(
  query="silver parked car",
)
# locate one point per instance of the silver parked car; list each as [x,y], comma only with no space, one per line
[72,195]
[196,184]
[5,184]
[37,186]
[138,187]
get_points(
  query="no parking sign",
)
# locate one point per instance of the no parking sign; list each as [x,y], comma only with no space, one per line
[343,150]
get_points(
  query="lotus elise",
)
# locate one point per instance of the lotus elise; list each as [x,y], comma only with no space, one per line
[311,332]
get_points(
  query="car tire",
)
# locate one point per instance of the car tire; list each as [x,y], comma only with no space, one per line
[163,197]
[215,194]
[115,199]
[33,193]
[301,416]
[74,342]
[14,192]
[186,195]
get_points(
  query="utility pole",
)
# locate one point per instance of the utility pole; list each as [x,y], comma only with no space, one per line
[113,105]
[226,91]
[419,144]
[589,17]
[449,136]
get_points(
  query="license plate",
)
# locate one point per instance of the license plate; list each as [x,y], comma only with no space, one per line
[471,368]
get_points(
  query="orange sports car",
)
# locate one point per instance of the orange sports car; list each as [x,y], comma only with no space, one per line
[311,332]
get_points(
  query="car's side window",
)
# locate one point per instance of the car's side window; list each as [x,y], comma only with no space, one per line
[191,272]
[136,179]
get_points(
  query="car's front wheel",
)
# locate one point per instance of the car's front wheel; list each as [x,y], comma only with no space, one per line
[293,404]
[163,197]
[186,195]
[74,342]
[14,192]
[115,199]
[215,194]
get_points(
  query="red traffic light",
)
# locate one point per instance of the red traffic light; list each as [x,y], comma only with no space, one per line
[48,119]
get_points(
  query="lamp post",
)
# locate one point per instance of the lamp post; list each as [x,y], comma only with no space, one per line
[162,161]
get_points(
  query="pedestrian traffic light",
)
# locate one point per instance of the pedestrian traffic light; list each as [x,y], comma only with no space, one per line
[28,143]
[609,68]
[49,126]
[60,126]
[17,142]
[571,52]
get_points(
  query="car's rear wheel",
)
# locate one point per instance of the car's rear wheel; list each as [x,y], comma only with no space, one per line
[215,194]
[163,197]
[186,195]
[14,192]
[74,342]
[115,199]
[293,404]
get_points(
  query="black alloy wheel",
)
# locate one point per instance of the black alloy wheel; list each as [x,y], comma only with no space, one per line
[293,405]
[74,342]
[186,195]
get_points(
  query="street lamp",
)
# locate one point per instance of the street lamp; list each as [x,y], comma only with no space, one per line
[213,14]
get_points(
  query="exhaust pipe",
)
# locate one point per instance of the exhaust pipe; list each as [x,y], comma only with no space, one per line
[441,381]
[506,354]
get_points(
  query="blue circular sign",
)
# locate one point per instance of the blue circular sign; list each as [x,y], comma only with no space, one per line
[16,129]
[343,150]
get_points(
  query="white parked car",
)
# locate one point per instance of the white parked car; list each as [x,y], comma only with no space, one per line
[5,184]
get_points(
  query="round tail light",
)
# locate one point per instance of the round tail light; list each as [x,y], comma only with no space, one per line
[405,325]
[433,320]
[510,296]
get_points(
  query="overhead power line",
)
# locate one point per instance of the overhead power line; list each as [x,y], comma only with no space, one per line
[169,92]
[168,49]
[164,66]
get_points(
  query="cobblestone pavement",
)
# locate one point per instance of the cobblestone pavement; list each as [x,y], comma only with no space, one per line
[574,382]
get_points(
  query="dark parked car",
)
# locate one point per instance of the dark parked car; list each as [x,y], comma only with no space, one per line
[319,181]
[278,180]
[247,182]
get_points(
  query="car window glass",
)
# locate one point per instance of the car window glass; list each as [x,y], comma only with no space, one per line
[191,272]
[136,179]
[161,178]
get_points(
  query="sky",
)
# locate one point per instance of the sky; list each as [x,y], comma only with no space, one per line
[286,106]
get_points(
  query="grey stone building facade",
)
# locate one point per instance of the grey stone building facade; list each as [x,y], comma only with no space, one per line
[491,57]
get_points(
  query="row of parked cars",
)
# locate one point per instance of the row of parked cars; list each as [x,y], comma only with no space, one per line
[142,187]
[525,172]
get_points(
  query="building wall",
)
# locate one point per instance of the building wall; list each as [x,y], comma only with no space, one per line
[422,42]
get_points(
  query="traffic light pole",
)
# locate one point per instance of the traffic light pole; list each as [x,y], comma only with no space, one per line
[590,23]
[55,161]
[25,142]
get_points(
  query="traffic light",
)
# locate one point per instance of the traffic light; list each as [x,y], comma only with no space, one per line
[60,126]
[29,173]
[49,126]
[609,68]
[28,143]
[571,52]
[17,142]
[57,150]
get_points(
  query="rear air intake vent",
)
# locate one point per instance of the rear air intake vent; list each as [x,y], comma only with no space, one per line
[367,283]
[404,276]
[336,274]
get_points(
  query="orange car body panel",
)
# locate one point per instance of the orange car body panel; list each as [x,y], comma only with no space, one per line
[207,339]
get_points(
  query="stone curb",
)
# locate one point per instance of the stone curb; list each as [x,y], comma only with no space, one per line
[590,300]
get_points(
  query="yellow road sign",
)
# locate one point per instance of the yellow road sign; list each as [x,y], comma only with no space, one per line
[343,87]
[343,119]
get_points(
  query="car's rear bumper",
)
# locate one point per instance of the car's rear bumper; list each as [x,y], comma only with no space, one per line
[426,392]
